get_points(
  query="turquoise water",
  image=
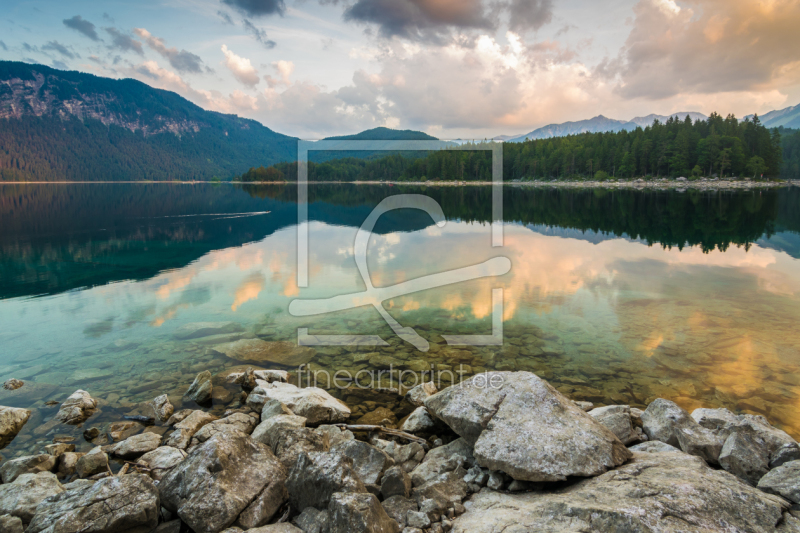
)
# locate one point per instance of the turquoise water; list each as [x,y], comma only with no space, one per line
[614,297]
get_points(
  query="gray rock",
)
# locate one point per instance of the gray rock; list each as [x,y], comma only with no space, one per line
[654,446]
[316,476]
[197,330]
[21,497]
[162,460]
[495,481]
[58,449]
[276,528]
[275,425]
[419,420]
[272,408]
[10,524]
[417,519]
[173,526]
[241,422]
[312,520]
[288,445]
[784,454]
[68,463]
[714,419]
[774,438]
[521,425]
[94,462]
[351,512]
[397,507]
[408,456]
[187,427]
[655,492]
[162,408]
[617,418]
[201,388]
[368,461]
[229,478]
[395,482]
[783,481]
[136,445]
[417,395]
[745,455]
[444,489]
[112,505]
[29,464]
[11,421]
[443,459]
[313,403]
[77,408]
[586,406]
[665,421]
[272,375]
[257,351]
[334,434]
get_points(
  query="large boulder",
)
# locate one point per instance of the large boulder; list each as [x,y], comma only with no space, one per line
[112,505]
[11,421]
[28,464]
[312,403]
[312,520]
[94,462]
[228,479]
[745,455]
[521,425]
[617,418]
[783,481]
[316,476]
[665,421]
[76,408]
[368,461]
[351,512]
[241,422]
[161,460]
[290,443]
[258,351]
[201,388]
[136,445]
[21,497]
[187,427]
[654,493]
[196,330]
[275,425]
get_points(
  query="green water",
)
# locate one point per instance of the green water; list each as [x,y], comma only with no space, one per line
[614,297]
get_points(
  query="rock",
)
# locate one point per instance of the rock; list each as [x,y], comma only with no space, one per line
[585,406]
[312,520]
[315,404]
[408,456]
[272,408]
[417,395]
[90,374]
[162,460]
[654,446]
[13,384]
[442,459]
[476,478]
[776,440]
[162,408]
[417,519]
[379,417]
[442,491]
[21,497]
[783,481]
[11,421]
[665,421]
[186,428]
[398,507]
[173,526]
[10,524]
[58,449]
[714,419]
[29,464]
[316,476]
[617,418]
[495,481]
[94,462]
[418,421]
[242,422]
[77,408]
[68,463]
[745,455]
[275,425]
[351,512]
[200,390]
[290,443]
[229,478]
[179,416]
[122,430]
[136,445]
[284,353]
[276,528]
[784,454]
[91,434]
[334,434]
[368,461]
[196,330]
[521,425]
[655,492]
[395,482]
[111,505]
[272,375]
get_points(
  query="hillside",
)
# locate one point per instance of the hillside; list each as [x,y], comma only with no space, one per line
[787,118]
[64,125]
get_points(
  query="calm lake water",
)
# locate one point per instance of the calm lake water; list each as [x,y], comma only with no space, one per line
[614,297]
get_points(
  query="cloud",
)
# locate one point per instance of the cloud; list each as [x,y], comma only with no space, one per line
[525,15]
[108,18]
[707,46]
[257,8]
[3,46]
[284,69]
[259,34]
[124,42]
[60,48]
[60,65]
[181,60]
[226,18]
[240,67]
[85,27]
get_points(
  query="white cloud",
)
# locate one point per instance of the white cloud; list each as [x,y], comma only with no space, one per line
[240,67]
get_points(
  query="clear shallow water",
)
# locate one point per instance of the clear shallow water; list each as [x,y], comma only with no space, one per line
[614,297]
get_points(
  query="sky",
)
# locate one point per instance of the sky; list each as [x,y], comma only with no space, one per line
[453,68]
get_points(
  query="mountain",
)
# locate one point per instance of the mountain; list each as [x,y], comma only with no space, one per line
[66,125]
[788,118]
[384,134]
[600,124]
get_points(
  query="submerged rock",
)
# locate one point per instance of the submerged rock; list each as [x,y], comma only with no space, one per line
[521,425]
[12,419]
[13,384]
[258,351]
[201,388]
[111,505]
[312,403]
[228,479]
[196,330]
[656,492]
[77,408]
[21,497]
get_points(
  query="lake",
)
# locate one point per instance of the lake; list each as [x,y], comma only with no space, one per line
[613,296]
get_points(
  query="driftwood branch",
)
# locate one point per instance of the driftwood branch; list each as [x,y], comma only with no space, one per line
[388,431]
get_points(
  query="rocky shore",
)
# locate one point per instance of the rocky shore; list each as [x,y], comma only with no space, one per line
[499,452]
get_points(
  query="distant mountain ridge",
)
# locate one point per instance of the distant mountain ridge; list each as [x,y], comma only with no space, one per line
[600,124]
[384,134]
[788,118]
